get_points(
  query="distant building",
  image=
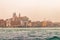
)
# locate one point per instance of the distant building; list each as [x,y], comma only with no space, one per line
[14,21]
[24,21]
[49,24]
[29,23]
[44,23]
[2,23]
[56,24]
[17,21]
[8,22]
[36,24]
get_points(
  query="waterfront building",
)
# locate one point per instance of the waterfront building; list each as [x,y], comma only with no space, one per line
[44,23]
[36,24]
[29,23]
[24,21]
[8,22]
[2,23]
[49,24]
[17,21]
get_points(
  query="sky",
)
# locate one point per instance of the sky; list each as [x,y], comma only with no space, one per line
[36,10]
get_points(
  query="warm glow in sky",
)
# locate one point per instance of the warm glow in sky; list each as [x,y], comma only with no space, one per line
[34,9]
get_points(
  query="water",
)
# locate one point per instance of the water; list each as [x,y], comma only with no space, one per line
[29,33]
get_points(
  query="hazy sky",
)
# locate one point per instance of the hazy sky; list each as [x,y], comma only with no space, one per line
[34,9]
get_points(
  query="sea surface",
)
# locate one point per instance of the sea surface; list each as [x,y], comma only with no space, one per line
[30,33]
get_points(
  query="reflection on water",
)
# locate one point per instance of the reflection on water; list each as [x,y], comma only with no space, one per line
[29,34]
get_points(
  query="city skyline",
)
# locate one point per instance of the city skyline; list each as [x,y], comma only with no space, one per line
[36,10]
[24,21]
